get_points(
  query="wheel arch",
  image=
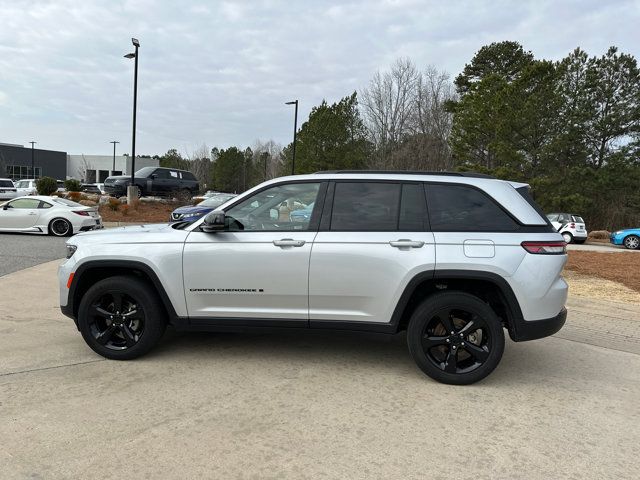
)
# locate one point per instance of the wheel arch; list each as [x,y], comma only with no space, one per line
[488,286]
[87,274]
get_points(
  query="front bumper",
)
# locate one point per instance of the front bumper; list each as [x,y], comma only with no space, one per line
[533,329]
[117,189]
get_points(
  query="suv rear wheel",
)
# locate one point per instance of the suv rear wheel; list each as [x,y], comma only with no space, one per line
[455,338]
[121,318]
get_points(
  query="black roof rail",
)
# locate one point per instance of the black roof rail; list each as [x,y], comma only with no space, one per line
[410,172]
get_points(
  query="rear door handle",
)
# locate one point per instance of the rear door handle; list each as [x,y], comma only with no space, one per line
[405,243]
[288,242]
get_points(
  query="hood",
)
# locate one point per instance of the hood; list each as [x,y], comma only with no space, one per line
[153,233]
[193,209]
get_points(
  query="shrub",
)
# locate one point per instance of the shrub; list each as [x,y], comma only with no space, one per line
[114,204]
[72,185]
[600,234]
[125,210]
[46,185]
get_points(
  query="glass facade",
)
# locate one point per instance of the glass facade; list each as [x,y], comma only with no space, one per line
[19,172]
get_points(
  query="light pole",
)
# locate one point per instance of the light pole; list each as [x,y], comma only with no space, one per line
[134,55]
[295,129]
[114,156]
[33,169]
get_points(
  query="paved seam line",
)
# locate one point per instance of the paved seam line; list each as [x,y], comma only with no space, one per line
[51,368]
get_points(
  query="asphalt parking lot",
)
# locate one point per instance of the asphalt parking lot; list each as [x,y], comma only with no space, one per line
[306,406]
[18,251]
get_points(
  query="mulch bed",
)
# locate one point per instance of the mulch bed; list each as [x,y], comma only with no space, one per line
[623,267]
[143,213]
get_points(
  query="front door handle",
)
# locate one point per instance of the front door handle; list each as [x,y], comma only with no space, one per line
[405,243]
[32,213]
[288,242]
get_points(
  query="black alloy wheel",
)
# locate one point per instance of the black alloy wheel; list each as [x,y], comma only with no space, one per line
[116,321]
[60,227]
[455,338]
[121,317]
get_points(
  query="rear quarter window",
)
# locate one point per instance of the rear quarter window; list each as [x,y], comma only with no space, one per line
[461,208]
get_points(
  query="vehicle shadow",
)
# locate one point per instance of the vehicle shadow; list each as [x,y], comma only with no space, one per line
[522,363]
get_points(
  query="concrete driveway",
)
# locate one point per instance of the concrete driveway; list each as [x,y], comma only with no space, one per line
[302,405]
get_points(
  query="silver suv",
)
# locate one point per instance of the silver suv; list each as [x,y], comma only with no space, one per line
[453,259]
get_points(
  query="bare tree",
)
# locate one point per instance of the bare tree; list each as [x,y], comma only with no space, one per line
[85,171]
[200,165]
[388,107]
[267,159]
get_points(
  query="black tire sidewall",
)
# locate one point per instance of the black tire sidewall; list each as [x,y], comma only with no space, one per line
[424,312]
[69,227]
[155,316]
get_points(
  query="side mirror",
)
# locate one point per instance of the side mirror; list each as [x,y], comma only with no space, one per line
[153,176]
[213,222]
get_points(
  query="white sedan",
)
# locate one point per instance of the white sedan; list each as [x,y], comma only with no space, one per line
[47,215]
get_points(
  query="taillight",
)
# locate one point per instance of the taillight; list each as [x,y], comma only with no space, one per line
[545,248]
[81,212]
[573,225]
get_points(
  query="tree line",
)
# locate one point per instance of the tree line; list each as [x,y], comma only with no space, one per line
[569,128]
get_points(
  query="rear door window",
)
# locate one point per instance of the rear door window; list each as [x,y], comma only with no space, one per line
[366,206]
[462,208]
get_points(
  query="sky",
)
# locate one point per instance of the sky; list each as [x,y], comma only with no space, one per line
[218,72]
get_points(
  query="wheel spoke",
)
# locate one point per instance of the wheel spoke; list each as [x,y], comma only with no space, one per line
[105,336]
[117,301]
[130,314]
[446,322]
[129,336]
[430,342]
[97,310]
[479,353]
[451,362]
[467,328]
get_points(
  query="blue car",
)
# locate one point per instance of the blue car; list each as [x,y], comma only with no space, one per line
[630,238]
[191,213]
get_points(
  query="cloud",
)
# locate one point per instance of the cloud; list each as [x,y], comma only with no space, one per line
[220,72]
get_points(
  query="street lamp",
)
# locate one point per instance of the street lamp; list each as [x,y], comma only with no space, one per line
[33,170]
[295,128]
[114,156]
[134,55]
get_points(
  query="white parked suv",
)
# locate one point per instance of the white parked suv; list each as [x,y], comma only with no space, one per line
[453,259]
[570,226]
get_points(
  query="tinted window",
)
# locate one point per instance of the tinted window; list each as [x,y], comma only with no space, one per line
[459,208]
[361,206]
[161,173]
[413,210]
[577,219]
[188,176]
[6,183]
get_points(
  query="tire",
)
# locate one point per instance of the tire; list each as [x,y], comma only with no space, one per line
[60,227]
[138,192]
[568,238]
[443,346]
[579,242]
[632,242]
[111,333]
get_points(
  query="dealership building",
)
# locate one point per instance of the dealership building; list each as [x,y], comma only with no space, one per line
[16,162]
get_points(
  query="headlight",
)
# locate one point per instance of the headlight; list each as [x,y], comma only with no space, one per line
[618,232]
[71,249]
[187,215]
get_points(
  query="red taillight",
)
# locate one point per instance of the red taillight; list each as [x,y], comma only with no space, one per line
[573,225]
[545,248]
[81,212]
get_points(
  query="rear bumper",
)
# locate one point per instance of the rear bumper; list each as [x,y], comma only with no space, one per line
[533,329]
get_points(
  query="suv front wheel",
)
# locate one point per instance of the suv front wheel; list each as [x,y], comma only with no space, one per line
[121,318]
[455,338]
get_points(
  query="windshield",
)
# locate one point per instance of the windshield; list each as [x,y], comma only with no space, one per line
[145,172]
[215,201]
[64,201]
[23,184]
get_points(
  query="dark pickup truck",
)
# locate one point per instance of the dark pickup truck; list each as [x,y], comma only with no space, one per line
[155,181]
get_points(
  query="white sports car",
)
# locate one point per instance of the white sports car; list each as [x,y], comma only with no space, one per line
[52,215]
